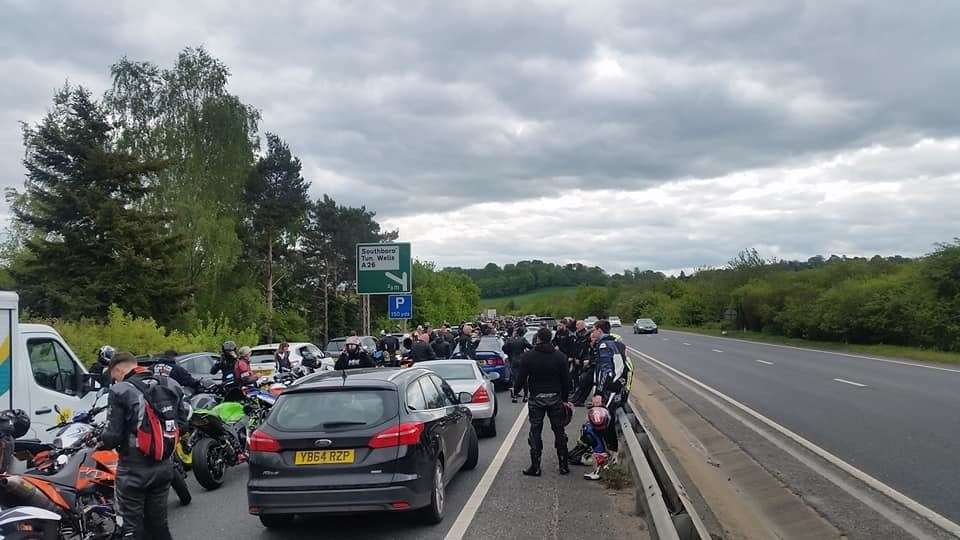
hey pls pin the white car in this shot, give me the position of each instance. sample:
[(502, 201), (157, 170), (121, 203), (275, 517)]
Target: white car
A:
[(590, 321), (263, 364), (615, 322), (466, 376)]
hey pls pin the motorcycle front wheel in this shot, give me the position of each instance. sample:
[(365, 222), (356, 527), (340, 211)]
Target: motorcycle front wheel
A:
[(209, 463)]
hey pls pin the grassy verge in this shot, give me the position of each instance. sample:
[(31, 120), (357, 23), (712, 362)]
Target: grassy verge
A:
[(890, 351)]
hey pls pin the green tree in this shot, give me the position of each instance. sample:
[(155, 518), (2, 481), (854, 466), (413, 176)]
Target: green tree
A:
[(276, 199), (186, 116), (93, 242), (443, 296)]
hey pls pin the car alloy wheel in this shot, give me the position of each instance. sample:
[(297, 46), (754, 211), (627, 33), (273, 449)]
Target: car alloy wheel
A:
[(438, 489)]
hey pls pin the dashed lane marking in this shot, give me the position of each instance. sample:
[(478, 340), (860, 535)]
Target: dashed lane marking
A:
[(844, 381)]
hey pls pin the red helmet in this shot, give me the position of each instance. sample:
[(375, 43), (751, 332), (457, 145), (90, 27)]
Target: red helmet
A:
[(599, 418)]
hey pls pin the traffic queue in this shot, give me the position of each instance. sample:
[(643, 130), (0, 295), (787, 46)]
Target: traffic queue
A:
[(380, 430)]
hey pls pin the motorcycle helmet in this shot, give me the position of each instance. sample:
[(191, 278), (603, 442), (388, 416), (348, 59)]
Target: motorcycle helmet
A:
[(567, 414), (352, 344), (15, 422), (229, 349), (105, 354), (599, 418), (308, 359)]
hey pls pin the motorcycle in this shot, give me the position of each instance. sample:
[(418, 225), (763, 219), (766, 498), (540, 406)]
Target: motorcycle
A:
[(75, 481), (28, 523)]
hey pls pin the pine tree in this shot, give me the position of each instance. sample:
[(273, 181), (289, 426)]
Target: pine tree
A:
[(91, 242), (276, 197)]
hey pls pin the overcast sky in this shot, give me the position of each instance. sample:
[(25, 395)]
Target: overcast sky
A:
[(663, 135)]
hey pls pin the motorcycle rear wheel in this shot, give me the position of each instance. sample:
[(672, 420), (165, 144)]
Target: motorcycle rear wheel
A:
[(209, 463)]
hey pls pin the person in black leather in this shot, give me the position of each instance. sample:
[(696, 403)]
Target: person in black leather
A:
[(514, 348), (544, 371), (142, 483), (421, 350), (168, 367)]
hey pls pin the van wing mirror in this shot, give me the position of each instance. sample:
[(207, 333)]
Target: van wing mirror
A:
[(91, 382)]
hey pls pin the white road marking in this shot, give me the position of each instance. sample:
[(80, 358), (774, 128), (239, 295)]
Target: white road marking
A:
[(717, 350), (890, 492), (469, 510), (844, 381), (849, 355), (687, 344), (765, 362)]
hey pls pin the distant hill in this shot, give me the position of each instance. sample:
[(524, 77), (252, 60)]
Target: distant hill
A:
[(527, 303)]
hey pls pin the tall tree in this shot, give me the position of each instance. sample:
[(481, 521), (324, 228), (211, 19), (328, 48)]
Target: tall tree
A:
[(92, 242), (185, 115), (276, 198)]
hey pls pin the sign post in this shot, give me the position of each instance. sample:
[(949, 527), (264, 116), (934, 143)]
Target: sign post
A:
[(384, 268)]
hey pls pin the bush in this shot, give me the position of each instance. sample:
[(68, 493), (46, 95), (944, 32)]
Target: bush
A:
[(143, 336)]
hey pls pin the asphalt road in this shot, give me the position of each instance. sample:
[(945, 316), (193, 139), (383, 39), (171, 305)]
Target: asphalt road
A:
[(896, 421), (514, 507)]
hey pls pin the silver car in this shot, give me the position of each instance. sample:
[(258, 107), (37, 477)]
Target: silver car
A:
[(466, 376)]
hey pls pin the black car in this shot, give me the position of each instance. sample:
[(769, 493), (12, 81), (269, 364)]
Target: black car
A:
[(645, 326), (365, 440)]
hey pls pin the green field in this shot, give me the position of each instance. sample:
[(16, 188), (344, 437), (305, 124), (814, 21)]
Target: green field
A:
[(528, 303)]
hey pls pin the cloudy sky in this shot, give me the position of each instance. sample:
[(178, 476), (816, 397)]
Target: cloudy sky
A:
[(662, 135)]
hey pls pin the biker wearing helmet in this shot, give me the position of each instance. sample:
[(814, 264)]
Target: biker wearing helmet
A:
[(353, 355), (104, 355), (228, 366)]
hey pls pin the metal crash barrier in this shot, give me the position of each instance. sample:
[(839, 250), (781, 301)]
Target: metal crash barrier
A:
[(661, 498)]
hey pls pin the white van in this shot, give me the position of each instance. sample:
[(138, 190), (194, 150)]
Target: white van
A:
[(39, 372)]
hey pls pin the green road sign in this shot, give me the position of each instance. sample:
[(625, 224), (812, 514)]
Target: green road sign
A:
[(384, 268)]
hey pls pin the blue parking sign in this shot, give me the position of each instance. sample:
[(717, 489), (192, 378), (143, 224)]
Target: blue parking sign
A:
[(400, 306)]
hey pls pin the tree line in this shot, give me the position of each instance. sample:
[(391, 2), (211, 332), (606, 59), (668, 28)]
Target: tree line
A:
[(879, 300), (158, 200), (525, 276)]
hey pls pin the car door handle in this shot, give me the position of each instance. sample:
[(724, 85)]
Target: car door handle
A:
[(45, 410)]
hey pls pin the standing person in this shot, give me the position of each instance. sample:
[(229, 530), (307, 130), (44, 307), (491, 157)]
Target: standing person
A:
[(587, 367), (441, 347), (143, 474), (389, 344), (168, 367), (104, 355), (465, 342), (544, 369), (282, 358), (514, 348), (421, 350), (353, 356)]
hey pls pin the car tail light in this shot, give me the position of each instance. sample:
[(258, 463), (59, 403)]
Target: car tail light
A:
[(481, 395), (495, 361), (400, 505), (405, 434), (261, 442)]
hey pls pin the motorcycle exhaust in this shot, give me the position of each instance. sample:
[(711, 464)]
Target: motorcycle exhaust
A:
[(13, 489)]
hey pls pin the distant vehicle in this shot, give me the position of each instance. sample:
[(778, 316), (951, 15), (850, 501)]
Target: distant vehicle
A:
[(615, 322), (491, 358), (262, 357), (645, 326), (466, 376), (396, 437), (590, 321), (549, 322)]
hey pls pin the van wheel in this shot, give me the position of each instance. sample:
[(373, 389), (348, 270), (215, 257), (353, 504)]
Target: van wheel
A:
[(209, 463), (433, 513), (473, 450), (276, 521)]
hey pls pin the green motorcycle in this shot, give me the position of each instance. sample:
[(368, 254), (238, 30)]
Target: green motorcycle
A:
[(217, 440)]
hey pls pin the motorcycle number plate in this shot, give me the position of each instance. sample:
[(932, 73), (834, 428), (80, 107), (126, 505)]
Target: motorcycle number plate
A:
[(324, 457)]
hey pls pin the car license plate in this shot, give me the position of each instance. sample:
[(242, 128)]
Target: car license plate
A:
[(323, 457), (264, 372)]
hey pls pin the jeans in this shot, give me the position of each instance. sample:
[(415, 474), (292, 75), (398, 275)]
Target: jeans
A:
[(141, 493), (548, 405)]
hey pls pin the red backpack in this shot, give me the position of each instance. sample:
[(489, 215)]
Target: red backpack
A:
[(157, 430)]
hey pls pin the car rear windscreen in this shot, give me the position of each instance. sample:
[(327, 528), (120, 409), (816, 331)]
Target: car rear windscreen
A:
[(262, 355), (335, 346), (334, 410), (454, 372)]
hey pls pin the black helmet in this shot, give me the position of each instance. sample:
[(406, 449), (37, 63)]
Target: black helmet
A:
[(308, 359), (105, 354), (15, 422), (229, 349)]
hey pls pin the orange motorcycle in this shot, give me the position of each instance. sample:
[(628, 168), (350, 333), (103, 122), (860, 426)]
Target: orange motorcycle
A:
[(76, 481)]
